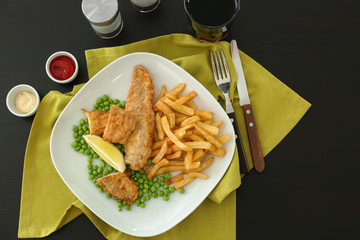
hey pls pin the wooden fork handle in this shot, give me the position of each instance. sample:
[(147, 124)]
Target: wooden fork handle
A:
[(257, 156)]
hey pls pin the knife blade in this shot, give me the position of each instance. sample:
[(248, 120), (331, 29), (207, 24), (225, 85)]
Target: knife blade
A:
[(256, 152)]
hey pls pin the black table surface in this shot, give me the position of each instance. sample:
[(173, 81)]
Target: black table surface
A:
[(310, 188)]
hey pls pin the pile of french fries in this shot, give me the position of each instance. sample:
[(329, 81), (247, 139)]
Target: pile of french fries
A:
[(183, 137)]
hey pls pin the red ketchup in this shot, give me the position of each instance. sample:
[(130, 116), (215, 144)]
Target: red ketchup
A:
[(62, 67)]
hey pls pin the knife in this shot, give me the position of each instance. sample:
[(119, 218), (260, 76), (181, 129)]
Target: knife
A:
[(257, 156)]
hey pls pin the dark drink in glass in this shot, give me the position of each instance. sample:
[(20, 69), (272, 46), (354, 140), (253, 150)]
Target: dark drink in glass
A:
[(145, 6), (210, 20)]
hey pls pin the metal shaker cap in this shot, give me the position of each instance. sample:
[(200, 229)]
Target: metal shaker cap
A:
[(100, 12)]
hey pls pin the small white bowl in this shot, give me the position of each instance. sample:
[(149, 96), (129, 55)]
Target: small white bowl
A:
[(61, 53), (10, 100)]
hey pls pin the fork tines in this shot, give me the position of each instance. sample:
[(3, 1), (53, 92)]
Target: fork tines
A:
[(219, 66)]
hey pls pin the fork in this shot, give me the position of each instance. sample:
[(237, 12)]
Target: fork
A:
[(222, 79)]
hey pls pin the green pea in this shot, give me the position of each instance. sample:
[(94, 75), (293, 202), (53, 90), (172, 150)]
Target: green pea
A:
[(99, 170), (153, 189), (157, 185), (95, 173), (77, 149), (74, 144), (116, 101), (160, 193), (106, 103), (181, 190), (87, 152), (75, 135), (78, 140), (148, 162), (143, 199), (95, 167), (120, 205), (166, 198), (82, 121), (128, 207), (108, 195), (99, 175), (81, 150), (103, 164), (148, 197), (105, 172), (122, 104), (167, 192), (99, 100), (105, 97), (137, 202), (90, 166), (171, 189), (101, 190), (84, 128), (154, 195), (162, 178), (167, 175), (142, 205), (75, 128), (141, 193), (155, 179), (81, 132)]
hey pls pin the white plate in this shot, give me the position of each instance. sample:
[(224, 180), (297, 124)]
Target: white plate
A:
[(114, 80)]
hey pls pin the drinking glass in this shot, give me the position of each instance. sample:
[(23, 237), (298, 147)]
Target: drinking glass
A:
[(210, 20)]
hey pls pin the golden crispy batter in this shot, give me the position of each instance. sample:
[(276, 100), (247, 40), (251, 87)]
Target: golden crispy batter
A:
[(120, 186), (120, 125), (139, 102), (97, 121)]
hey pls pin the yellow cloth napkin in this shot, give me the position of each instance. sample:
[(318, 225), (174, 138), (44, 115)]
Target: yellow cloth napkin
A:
[(43, 212)]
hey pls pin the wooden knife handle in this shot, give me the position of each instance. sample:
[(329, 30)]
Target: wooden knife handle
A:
[(244, 168), (257, 156)]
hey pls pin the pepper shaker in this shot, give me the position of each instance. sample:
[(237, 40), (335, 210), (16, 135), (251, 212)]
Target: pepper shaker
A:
[(104, 17)]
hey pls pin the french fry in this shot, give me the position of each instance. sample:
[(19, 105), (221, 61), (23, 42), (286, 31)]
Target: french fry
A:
[(183, 182), (178, 89), (163, 107), (188, 159), (179, 108), (156, 167), (173, 138), (203, 114), (190, 120), (187, 97), (195, 165), (203, 165), (217, 124), (162, 93), (223, 138), (159, 130), (156, 152), (198, 174), (199, 154), (220, 152), (210, 129), (174, 155), (161, 154), (179, 120), (178, 177), (171, 118), (200, 145), (208, 136), (195, 137), (169, 169), (191, 104), (171, 96), (175, 163)]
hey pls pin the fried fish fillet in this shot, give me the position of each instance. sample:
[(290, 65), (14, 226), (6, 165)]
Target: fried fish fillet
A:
[(139, 102), (97, 121), (120, 186), (120, 125)]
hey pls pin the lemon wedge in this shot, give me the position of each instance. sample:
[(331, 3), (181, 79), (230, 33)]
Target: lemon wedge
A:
[(107, 151)]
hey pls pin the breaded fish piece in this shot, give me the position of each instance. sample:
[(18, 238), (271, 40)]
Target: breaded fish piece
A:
[(97, 121), (139, 102), (120, 186), (120, 125)]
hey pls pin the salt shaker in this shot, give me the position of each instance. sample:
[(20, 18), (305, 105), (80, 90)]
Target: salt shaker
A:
[(104, 17), (145, 6)]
